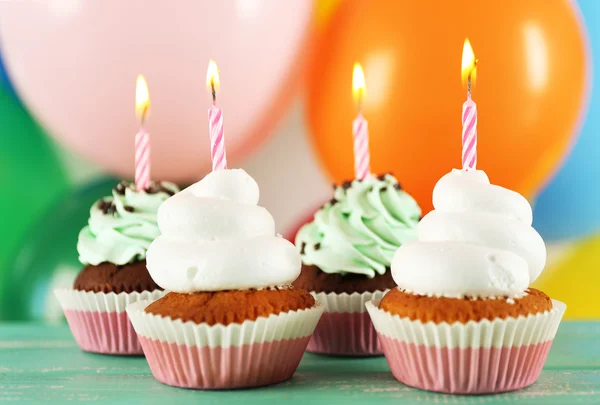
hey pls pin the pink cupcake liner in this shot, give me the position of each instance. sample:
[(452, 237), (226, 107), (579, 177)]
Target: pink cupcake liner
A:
[(473, 358), (346, 329), (104, 332), (98, 321), (345, 334), (255, 353), (465, 371), (252, 365)]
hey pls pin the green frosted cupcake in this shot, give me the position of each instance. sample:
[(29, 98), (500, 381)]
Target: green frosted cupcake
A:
[(346, 254), (112, 247)]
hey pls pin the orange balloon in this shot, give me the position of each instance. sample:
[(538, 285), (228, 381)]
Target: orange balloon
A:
[(530, 89)]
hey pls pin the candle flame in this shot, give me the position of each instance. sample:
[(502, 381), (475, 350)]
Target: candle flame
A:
[(142, 98), (358, 83), (469, 62), (212, 76)]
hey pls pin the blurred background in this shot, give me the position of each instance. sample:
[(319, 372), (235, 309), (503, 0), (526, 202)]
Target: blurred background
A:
[(67, 122)]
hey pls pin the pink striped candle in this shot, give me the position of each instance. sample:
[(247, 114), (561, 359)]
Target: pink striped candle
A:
[(142, 160), (142, 139), (469, 134), (362, 155), (215, 121), (360, 127), (469, 112)]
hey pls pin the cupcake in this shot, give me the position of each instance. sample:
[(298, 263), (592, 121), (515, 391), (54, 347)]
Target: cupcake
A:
[(346, 253), (112, 247), (463, 318), (231, 318)]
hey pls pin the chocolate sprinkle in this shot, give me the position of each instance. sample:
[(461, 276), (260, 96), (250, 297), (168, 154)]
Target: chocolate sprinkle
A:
[(371, 189), (398, 186), (347, 184), (129, 208), (333, 201), (303, 248), (120, 188), (106, 207), (383, 190), (381, 177), (156, 188), (317, 246)]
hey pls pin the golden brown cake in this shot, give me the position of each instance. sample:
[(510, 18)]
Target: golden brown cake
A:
[(450, 310), (225, 307)]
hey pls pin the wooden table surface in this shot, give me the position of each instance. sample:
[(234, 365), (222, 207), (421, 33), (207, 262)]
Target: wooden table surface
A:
[(41, 362)]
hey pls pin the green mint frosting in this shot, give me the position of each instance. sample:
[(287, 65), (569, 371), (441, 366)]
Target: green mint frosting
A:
[(121, 227), (361, 228)]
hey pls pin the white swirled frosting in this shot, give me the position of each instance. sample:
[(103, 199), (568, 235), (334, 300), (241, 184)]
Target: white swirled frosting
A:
[(215, 237), (478, 242)]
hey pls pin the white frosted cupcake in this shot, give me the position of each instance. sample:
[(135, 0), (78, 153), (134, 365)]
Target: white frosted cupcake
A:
[(463, 318), (231, 318)]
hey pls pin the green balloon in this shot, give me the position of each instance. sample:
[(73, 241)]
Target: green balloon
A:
[(30, 174), (47, 258)]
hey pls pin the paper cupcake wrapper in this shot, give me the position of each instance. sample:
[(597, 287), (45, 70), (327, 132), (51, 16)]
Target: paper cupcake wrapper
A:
[(472, 358), (98, 321), (252, 354), (345, 329)]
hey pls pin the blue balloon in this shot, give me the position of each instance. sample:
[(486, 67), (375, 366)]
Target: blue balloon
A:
[(569, 207), (5, 80)]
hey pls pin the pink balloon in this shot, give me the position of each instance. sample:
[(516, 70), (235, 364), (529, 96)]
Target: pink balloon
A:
[(75, 63)]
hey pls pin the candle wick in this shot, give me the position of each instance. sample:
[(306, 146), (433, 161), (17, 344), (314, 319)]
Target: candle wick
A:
[(212, 87), (143, 115), (469, 86), (360, 104)]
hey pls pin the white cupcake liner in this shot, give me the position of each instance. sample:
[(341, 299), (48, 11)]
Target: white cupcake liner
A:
[(255, 353), (76, 300), (287, 325), (524, 330), (470, 358), (98, 321), (349, 303)]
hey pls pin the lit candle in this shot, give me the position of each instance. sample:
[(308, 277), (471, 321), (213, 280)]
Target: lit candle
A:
[(215, 121), (360, 128), (469, 112), (142, 139)]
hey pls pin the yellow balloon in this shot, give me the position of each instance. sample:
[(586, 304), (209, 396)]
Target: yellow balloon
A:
[(575, 279)]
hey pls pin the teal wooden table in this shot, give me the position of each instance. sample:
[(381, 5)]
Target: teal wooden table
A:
[(43, 363)]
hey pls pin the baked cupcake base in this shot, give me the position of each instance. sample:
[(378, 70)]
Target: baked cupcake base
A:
[(227, 307), (450, 310), (476, 357), (109, 277), (345, 329), (254, 353)]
